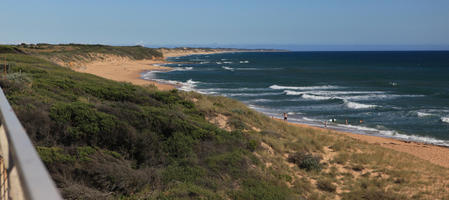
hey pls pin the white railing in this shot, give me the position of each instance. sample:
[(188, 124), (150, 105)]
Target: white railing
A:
[(23, 175)]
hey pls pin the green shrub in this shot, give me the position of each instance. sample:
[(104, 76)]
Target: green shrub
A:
[(261, 190), (305, 161), (237, 124), (252, 145), (84, 152), (50, 155), (229, 162)]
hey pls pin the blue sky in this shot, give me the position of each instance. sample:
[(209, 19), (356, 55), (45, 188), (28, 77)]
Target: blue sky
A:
[(231, 22)]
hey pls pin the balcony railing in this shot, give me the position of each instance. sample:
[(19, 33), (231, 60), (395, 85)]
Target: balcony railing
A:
[(23, 175)]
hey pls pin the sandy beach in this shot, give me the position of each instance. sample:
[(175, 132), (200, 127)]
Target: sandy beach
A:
[(123, 69), (126, 70)]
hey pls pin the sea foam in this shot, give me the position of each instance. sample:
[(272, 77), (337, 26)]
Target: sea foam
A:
[(323, 87), (182, 68), (354, 105), (423, 114), (228, 68), (445, 119)]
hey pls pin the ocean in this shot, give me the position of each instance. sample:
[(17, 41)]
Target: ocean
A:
[(402, 95)]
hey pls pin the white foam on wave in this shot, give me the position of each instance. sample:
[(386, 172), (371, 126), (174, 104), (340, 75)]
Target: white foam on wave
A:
[(244, 61), (445, 119), (291, 92), (228, 68), (252, 94), (323, 87), (393, 84), (314, 97), (423, 114), (333, 92), (354, 105), (249, 69), (182, 68), (219, 63), (227, 62), (237, 89), (189, 85)]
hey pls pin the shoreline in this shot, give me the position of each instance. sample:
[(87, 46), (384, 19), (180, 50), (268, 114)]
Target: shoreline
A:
[(126, 70)]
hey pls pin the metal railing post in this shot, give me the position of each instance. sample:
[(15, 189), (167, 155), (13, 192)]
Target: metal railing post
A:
[(23, 175)]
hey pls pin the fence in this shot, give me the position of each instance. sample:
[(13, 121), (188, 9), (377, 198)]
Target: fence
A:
[(23, 175)]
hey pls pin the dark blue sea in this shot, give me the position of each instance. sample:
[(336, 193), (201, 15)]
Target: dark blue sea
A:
[(403, 95)]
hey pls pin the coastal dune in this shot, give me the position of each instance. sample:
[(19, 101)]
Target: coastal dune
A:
[(435, 154)]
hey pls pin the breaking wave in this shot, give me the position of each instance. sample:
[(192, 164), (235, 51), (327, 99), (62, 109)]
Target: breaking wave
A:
[(182, 68), (445, 119), (228, 68), (354, 105), (323, 87), (423, 114)]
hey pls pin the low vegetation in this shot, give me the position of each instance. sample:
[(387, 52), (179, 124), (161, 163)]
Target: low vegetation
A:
[(102, 139)]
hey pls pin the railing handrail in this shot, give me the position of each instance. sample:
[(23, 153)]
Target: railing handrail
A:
[(35, 180)]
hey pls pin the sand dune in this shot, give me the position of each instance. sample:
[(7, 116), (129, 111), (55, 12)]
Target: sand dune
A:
[(435, 154)]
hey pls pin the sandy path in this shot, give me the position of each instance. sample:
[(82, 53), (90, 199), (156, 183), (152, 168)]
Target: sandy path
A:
[(435, 154)]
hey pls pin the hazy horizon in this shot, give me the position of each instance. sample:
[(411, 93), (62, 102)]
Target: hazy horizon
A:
[(298, 25)]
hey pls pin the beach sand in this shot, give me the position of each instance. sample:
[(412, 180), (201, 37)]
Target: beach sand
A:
[(435, 154), (122, 69), (126, 70)]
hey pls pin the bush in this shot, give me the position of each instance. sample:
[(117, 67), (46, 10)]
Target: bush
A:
[(53, 154), (305, 161), (326, 185), (260, 190), (372, 194), (252, 145)]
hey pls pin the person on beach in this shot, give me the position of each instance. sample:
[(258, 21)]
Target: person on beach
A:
[(285, 116), (325, 124)]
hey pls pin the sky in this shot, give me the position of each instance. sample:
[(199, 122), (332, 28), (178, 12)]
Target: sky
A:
[(243, 23)]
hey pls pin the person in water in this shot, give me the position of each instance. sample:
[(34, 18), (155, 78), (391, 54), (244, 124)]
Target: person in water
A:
[(285, 116)]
